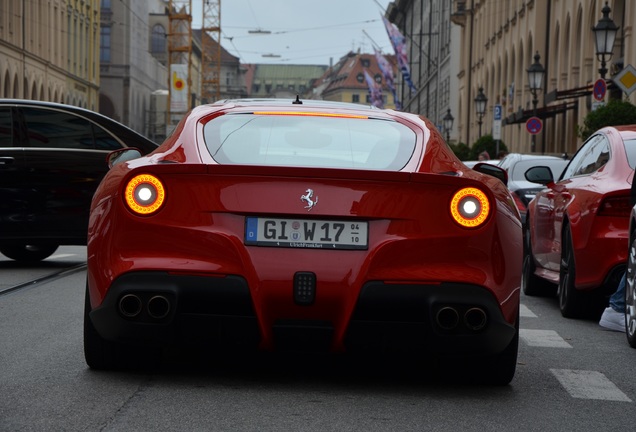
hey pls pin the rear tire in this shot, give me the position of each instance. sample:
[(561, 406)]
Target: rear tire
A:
[(27, 252), (500, 369), (571, 301), (102, 354), (99, 353), (492, 370), (630, 296)]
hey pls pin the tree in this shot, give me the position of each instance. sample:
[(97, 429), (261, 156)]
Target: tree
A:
[(489, 144), (615, 113), (461, 150)]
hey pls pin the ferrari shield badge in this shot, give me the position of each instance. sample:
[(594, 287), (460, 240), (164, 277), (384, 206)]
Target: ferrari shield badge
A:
[(309, 199)]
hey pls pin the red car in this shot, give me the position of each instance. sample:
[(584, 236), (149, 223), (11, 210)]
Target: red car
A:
[(304, 225), (577, 227)]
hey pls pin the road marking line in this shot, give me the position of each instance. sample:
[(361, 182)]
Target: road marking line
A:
[(525, 312), (589, 385), (543, 338)]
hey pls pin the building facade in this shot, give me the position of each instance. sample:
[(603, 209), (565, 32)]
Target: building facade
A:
[(130, 74), (232, 74), (282, 81), (50, 51), (346, 82), (433, 45), (499, 43)]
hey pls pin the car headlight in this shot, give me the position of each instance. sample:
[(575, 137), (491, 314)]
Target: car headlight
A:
[(144, 194), (470, 207)]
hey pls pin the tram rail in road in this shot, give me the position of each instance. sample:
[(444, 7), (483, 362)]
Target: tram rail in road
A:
[(47, 278), (16, 275)]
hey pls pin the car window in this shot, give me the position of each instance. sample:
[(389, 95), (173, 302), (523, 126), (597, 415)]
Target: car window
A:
[(6, 129), (104, 140), (519, 170), (591, 156), (630, 149), (57, 129), (309, 140)]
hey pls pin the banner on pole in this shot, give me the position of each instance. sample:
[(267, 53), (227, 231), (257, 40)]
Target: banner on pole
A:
[(399, 46), (178, 88)]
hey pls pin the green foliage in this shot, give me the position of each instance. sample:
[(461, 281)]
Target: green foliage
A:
[(489, 144), (614, 113), (461, 150)]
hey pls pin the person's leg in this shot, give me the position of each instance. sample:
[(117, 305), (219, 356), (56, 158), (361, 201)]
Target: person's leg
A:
[(617, 300), (613, 317)]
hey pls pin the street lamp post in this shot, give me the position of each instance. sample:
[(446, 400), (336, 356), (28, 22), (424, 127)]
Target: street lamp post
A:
[(535, 82), (448, 124), (480, 106), (604, 36)]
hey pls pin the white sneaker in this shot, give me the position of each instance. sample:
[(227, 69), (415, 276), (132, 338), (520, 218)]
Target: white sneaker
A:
[(612, 320)]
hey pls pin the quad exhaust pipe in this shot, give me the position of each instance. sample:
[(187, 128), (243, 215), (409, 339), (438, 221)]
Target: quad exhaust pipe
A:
[(157, 307), (130, 305), (475, 319), (449, 318)]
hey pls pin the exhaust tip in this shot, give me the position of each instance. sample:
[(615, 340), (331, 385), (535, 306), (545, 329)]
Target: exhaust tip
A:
[(475, 319), (130, 305), (158, 307), (447, 318)]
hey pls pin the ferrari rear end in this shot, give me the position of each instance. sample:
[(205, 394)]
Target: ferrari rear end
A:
[(313, 228)]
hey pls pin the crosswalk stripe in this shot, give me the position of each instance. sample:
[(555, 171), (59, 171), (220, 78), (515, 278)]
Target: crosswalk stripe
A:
[(525, 312), (543, 338), (583, 384)]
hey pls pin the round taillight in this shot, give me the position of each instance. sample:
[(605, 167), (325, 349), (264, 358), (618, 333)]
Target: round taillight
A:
[(470, 207), (144, 194)]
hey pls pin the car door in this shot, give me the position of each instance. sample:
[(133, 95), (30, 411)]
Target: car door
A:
[(12, 202), (553, 203), (64, 168)]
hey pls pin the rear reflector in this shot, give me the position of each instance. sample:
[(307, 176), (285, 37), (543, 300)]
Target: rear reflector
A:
[(519, 202), (615, 206)]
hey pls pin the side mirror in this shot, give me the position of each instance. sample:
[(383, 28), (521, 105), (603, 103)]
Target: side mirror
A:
[(539, 174), (122, 155), (492, 170)]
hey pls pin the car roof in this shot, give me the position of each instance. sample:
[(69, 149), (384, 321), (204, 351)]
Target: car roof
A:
[(72, 108), (123, 132), (526, 156)]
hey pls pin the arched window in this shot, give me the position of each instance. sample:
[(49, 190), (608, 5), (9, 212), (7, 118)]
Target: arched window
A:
[(7, 86), (158, 39)]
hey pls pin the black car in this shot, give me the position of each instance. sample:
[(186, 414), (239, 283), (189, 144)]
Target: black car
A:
[(52, 158)]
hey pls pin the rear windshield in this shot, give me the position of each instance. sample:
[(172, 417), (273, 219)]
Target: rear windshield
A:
[(309, 141)]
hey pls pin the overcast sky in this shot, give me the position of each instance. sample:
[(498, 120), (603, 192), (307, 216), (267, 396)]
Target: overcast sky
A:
[(302, 31)]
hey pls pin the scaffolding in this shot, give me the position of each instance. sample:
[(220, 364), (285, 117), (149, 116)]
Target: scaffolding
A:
[(179, 60), (211, 51)]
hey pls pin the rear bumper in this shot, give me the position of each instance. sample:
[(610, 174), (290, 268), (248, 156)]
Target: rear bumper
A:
[(446, 318), (201, 310), (161, 309)]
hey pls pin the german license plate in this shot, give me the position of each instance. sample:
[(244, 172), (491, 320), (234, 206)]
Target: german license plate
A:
[(306, 233)]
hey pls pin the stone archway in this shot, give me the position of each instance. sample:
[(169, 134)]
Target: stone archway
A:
[(106, 107)]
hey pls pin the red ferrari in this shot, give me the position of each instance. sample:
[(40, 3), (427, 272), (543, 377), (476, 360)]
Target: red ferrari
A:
[(577, 227), (304, 225)]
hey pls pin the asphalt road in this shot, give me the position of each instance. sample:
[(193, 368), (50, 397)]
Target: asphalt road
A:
[(571, 376)]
